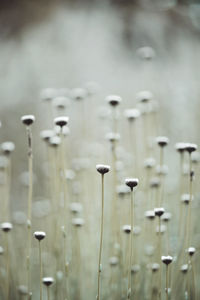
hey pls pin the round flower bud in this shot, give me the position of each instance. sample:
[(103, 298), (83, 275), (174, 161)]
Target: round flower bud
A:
[(180, 147), (112, 137), (113, 100), (78, 94), (78, 222), (166, 217), (61, 121), (191, 251), (54, 141), (155, 182), (46, 135), (6, 226), (184, 268), (75, 207), (39, 235), (167, 259), (122, 190), (144, 96), (149, 163), (60, 102), (48, 281), (150, 214), (28, 119), (159, 211), (127, 228), (23, 290), (131, 182), (190, 147), (146, 53), (132, 114), (162, 141), (113, 261), (48, 94), (185, 198), (155, 267), (135, 269), (102, 169), (7, 147)]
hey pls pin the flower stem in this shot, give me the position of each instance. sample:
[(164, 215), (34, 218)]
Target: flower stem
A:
[(101, 235)]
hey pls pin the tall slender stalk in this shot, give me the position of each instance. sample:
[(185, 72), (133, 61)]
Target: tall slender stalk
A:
[(40, 260), (101, 234), (131, 247)]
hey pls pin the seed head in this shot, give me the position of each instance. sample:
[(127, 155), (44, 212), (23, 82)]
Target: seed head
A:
[(78, 94), (162, 141), (7, 147), (150, 214), (48, 281), (113, 100), (75, 207), (131, 182), (167, 259), (190, 147), (54, 141), (48, 94), (166, 217), (112, 137), (61, 121), (184, 268), (155, 267), (39, 235), (122, 190), (149, 163), (127, 228), (180, 147), (6, 226), (46, 135), (155, 182), (144, 96), (113, 261), (191, 251), (185, 198), (102, 169), (135, 269), (159, 211), (132, 114), (146, 53), (78, 222), (162, 170), (60, 102), (23, 290), (28, 119)]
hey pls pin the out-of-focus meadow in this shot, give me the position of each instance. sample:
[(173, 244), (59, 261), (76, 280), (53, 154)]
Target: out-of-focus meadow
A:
[(83, 51)]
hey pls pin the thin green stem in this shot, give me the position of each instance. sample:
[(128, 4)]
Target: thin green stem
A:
[(101, 235), (29, 213), (40, 261), (7, 266), (167, 283), (48, 293), (131, 247)]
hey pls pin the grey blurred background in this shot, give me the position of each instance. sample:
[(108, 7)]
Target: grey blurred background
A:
[(67, 43)]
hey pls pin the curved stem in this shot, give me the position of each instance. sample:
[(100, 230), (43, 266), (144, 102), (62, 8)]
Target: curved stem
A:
[(101, 235)]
